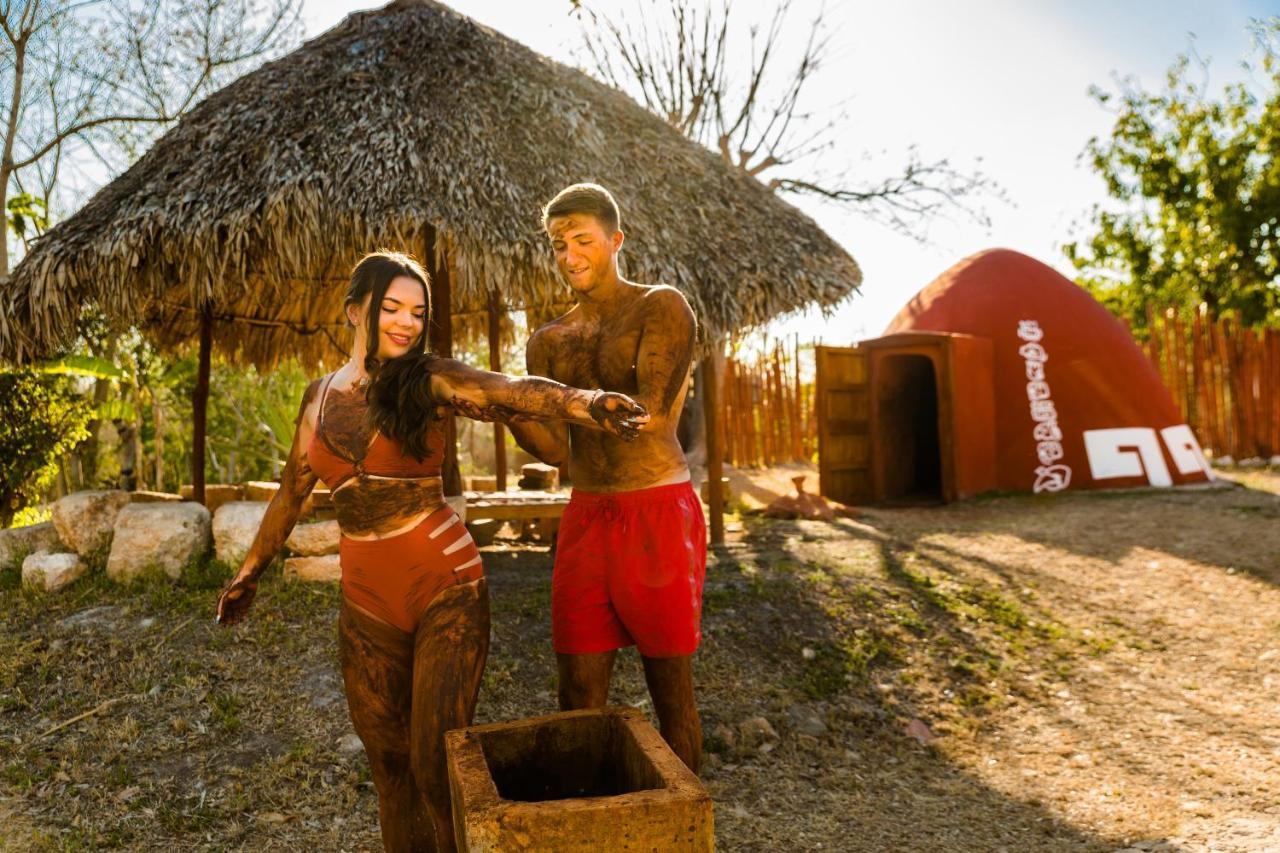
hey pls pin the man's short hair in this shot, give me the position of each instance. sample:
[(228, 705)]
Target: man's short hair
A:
[(591, 199)]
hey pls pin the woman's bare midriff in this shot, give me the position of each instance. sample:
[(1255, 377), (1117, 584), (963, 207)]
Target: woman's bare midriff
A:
[(370, 507)]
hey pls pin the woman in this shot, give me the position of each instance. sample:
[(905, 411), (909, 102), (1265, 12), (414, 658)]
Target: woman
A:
[(413, 631)]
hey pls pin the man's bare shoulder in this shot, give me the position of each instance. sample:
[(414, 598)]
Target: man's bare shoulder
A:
[(666, 300)]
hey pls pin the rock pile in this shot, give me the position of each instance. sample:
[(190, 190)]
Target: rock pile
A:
[(138, 532)]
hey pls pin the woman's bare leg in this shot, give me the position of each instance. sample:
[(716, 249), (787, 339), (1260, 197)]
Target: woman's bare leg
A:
[(377, 670), (450, 650)]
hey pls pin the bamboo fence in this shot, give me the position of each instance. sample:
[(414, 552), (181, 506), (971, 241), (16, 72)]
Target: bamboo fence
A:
[(1225, 379), (769, 407)]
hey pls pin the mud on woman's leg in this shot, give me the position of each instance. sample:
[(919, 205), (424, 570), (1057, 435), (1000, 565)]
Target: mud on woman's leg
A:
[(377, 671), (450, 649)]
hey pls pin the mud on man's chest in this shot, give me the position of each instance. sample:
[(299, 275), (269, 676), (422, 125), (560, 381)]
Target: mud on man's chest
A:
[(603, 358)]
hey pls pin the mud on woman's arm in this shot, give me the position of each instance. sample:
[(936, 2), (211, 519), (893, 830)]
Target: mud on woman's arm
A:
[(296, 482)]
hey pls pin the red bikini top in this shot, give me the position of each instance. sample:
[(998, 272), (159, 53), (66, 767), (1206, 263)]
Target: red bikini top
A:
[(383, 458)]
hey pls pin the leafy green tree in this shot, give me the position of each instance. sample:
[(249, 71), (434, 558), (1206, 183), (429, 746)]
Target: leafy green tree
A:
[(1194, 182), (43, 417)]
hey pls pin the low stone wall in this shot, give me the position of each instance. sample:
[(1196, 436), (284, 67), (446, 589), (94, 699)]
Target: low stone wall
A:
[(136, 532)]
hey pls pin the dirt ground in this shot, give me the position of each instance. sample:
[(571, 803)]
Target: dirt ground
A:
[(1075, 672)]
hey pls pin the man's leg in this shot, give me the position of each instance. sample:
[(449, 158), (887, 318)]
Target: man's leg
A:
[(670, 683), (584, 680)]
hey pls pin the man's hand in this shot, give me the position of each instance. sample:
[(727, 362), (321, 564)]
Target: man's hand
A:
[(236, 598), (618, 414)]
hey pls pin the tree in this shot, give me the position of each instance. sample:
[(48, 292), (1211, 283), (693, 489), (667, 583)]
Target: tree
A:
[(42, 418), (107, 76), (1194, 182), (691, 65)]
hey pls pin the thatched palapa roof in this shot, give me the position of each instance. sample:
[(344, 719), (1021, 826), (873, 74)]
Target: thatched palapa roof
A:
[(398, 123)]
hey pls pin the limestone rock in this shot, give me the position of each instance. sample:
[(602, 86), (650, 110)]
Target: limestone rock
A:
[(215, 494), (260, 490), (84, 520), (539, 476), (319, 569), (166, 535), (756, 732), (808, 720), (19, 542), (51, 571), (350, 745), (314, 540), (234, 526), (145, 497)]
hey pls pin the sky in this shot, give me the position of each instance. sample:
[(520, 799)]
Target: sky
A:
[(997, 85)]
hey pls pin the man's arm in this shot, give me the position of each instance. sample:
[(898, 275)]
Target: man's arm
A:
[(665, 354)]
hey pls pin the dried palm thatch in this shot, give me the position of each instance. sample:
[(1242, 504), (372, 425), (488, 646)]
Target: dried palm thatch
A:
[(397, 124)]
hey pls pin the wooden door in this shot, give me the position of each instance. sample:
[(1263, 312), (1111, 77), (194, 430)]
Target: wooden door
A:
[(844, 424)]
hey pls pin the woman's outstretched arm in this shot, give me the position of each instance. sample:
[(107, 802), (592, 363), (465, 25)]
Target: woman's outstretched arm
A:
[(415, 384), (296, 482)]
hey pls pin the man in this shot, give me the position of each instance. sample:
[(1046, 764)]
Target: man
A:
[(631, 553)]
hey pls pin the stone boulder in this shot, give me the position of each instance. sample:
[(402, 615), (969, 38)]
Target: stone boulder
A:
[(84, 520), (145, 497), (539, 477), (322, 569), (234, 526), (51, 571), (17, 543), (215, 494), (318, 504), (314, 540), (260, 490), (166, 536)]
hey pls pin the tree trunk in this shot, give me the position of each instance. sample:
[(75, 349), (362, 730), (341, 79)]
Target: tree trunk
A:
[(440, 339), (200, 407), (157, 416), (495, 364), (714, 436)]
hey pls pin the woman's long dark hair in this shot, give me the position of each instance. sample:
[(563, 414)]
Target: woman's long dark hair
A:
[(400, 401)]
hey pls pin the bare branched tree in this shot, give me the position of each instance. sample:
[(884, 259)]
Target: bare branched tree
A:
[(751, 101), (106, 76)]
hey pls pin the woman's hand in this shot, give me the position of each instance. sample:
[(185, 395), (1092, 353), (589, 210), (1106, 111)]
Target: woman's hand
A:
[(618, 414), (236, 598)]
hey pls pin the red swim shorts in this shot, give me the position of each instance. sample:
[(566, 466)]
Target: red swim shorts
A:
[(629, 569)]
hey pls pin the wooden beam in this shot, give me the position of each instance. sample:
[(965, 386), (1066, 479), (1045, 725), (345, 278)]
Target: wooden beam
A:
[(200, 406), (715, 445), (495, 364), (440, 340)]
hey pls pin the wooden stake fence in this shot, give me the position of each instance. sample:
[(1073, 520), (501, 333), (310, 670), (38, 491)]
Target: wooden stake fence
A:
[(1224, 378), (769, 408)]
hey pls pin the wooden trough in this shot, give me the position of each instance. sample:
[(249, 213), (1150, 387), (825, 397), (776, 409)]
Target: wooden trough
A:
[(576, 781)]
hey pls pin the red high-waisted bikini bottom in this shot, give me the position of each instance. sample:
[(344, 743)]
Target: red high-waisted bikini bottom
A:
[(396, 579)]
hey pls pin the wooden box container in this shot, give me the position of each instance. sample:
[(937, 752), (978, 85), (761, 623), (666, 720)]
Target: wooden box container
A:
[(576, 781)]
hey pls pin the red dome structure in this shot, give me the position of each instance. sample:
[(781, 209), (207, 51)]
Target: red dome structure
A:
[(1004, 374)]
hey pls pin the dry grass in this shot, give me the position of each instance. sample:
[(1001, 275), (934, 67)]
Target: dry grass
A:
[(1102, 669)]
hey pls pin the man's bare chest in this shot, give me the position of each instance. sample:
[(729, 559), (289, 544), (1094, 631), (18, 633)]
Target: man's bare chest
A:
[(600, 356)]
